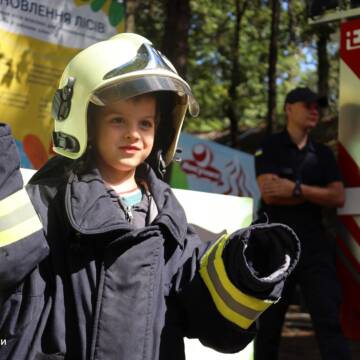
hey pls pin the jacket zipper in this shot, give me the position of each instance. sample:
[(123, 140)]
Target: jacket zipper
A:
[(128, 214)]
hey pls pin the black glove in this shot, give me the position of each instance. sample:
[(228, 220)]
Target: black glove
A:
[(259, 258)]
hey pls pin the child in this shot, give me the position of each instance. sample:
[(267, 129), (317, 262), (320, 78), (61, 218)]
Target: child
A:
[(116, 272)]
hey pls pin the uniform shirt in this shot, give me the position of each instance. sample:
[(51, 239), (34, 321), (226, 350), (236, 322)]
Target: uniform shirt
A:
[(315, 165)]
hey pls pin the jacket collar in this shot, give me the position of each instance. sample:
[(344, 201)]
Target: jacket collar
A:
[(91, 210), (286, 140)]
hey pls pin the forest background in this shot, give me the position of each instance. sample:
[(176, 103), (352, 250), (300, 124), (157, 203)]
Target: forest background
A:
[(241, 57)]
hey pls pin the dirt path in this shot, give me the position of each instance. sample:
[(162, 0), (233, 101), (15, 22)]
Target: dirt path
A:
[(298, 340)]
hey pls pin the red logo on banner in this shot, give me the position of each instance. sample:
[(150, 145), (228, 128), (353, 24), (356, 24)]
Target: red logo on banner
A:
[(201, 165), (350, 45), (231, 179)]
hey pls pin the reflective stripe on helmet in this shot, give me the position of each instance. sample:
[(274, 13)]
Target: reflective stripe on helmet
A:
[(233, 304), (146, 58), (18, 218)]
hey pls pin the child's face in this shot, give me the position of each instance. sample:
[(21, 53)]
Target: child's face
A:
[(124, 133)]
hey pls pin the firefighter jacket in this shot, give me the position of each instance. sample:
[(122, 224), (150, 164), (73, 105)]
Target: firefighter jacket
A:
[(78, 281)]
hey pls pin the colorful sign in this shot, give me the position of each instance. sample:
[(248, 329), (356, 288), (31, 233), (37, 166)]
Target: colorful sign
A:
[(38, 38), (348, 239), (214, 168)]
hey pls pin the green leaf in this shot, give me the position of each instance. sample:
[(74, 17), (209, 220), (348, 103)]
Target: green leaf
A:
[(116, 13), (96, 5)]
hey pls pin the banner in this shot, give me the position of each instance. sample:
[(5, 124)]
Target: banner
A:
[(214, 168), (38, 38), (348, 237)]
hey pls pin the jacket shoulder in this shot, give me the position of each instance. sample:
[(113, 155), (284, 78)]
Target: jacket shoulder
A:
[(54, 172), (47, 182)]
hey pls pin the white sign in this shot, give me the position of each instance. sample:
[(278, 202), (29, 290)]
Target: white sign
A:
[(214, 168)]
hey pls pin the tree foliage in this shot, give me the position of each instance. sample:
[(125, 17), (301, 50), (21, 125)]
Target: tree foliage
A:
[(227, 50)]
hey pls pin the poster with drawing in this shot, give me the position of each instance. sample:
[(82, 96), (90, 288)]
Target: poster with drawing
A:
[(38, 38)]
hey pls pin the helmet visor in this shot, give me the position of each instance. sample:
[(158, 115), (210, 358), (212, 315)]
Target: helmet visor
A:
[(128, 88)]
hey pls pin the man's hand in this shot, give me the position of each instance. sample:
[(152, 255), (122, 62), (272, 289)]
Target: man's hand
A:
[(274, 185), (277, 191)]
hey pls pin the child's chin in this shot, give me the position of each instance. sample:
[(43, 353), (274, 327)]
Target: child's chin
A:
[(127, 165)]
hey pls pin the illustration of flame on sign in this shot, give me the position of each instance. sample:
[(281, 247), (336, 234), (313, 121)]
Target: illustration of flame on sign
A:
[(211, 167)]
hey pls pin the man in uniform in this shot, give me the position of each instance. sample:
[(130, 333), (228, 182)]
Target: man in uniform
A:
[(297, 177)]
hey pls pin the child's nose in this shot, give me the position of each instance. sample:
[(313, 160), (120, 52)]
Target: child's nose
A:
[(132, 132)]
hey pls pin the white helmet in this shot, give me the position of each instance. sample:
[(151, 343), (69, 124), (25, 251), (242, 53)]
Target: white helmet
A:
[(122, 67)]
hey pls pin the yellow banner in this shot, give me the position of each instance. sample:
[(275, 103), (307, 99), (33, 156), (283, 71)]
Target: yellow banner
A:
[(38, 38)]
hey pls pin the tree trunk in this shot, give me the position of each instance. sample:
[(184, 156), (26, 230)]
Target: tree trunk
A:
[(175, 41), (323, 67), (292, 22), (175, 45), (235, 78), (131, 6), (273, 52)]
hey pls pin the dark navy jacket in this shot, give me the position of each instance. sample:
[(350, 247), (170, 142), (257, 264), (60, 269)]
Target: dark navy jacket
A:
[(91, 286)]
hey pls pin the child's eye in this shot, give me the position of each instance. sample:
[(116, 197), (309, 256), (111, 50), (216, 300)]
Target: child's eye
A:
[(116, 120), (146, 124)]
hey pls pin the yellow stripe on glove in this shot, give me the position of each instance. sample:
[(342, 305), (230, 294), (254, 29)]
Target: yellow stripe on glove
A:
[(233, 304)]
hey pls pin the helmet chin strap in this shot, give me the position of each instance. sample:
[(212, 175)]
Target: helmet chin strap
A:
[(160, 164)]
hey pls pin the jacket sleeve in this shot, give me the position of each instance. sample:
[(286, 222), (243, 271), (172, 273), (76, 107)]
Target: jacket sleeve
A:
[(237, 278), (22, 243)]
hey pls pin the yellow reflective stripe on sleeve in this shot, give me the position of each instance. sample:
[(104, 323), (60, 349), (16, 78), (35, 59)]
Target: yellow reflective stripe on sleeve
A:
[(18, 218), (233, 304), (20, 231), (14, 202)]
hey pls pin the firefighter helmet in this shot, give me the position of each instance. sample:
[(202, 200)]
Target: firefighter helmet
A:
[(121, 67)]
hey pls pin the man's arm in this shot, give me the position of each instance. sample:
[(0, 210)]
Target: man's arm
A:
[(279, 191), (332, 195)]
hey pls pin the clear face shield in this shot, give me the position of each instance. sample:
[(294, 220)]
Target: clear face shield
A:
[(159, 76)]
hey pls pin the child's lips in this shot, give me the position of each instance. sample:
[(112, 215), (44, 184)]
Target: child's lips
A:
[(129, 148)]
